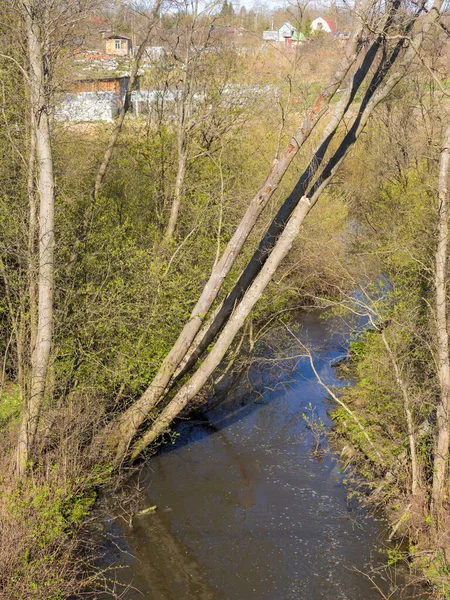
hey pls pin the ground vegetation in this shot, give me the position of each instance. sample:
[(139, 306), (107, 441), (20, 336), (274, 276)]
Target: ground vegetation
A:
[(138, 259)]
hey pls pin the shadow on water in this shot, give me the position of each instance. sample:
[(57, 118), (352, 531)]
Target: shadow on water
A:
[(246, 512)]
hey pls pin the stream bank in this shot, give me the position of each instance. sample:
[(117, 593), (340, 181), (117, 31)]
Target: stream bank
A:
[(247, 511)]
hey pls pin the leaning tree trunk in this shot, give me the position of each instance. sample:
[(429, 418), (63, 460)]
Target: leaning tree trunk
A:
[(46, 188), (234, 324), (179, 181), (443, 408), (130, 422), (378, 89)]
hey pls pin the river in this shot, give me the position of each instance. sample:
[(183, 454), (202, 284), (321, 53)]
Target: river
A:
[(246, 511)]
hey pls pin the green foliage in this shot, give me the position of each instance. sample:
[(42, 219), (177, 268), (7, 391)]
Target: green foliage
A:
[(10, 405), (38, 534), (395, 555), (437, 571), (307, 27)]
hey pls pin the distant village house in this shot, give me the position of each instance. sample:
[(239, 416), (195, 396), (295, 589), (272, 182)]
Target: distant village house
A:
[(321, 24), (119, 45), (93, 99), (279, 35)]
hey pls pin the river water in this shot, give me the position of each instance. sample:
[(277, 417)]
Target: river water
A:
[(247, 512)]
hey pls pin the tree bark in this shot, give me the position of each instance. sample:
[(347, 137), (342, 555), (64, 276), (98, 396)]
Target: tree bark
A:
[(32, 228), (443, 408), (234, 324), (181, 172), (46, 188)]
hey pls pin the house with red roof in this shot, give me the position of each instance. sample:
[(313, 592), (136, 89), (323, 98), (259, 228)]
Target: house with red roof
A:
[(322, 24)]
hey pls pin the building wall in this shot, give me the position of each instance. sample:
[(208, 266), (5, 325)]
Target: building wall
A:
[(320, 24), (124, 50), (115, 85), (284, 31), (86, 107), (96, 85), (270, 35)]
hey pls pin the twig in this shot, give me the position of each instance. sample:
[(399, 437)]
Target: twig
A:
[(334, 396)]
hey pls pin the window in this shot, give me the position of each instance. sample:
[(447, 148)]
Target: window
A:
[(117, 44)]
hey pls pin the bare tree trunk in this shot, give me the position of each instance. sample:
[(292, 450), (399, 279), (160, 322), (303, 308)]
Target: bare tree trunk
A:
[(133, 418), (184, 110), (234, 324), (443, 408), (46, 186), (32, 227), (378, 89), (179, 182)]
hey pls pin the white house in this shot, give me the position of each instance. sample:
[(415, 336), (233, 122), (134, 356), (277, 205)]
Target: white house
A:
[(321, 24), (279, 35)]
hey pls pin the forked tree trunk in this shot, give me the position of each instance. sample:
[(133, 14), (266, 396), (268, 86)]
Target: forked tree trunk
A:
[(46, 187), (443, 408), (234, 324), (130, 422)]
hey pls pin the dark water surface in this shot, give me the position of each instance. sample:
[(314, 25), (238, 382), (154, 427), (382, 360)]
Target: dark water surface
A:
[(246, 512)]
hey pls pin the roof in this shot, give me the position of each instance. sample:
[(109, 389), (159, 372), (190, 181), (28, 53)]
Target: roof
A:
[(103, 79), (291, 27), (298, 37), (331, 24), (118, 37)]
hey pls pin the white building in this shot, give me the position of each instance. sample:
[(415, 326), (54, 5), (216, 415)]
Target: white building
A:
[(279, 35), (321, 24)]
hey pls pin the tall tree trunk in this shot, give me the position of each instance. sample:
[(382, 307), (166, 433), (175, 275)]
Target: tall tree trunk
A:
[(184, 110), (132, 419), (32, 228), (46, 188), (179, 182), (443, 408), (234, 324)]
